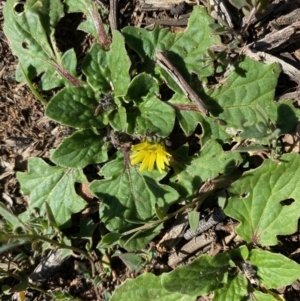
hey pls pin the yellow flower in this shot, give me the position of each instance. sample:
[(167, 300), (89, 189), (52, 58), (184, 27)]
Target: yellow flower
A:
[(149, 153)]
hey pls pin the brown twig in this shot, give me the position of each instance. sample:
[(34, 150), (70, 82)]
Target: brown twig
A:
[(165, 63), (113, 14)]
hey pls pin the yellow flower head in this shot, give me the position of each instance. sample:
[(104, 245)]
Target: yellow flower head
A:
[(149, 153)]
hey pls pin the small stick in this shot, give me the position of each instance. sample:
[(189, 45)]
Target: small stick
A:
[(113, 14), (164, 62)]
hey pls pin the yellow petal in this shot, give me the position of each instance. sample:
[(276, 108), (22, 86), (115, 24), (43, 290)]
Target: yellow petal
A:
[(160, 163), (149, 154), (145, 162), (140, 146), (166, 159), (151, 161), (138, 157)]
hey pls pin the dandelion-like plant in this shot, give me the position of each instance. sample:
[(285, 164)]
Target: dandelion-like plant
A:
[(149, 153)]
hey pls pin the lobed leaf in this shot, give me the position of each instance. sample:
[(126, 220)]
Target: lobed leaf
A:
[(257, 201), (185, 49), (250, 84), (54, 185), (129, 197)]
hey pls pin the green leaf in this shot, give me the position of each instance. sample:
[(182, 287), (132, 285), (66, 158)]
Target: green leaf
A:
[(108, 240), (140, 86), (160, 212), (250, 84), (128, 194), (238, 3), (209, 163), (91, 10), (184, 49), (256, 201), (6, 289), (139, 239), (6, 247), (257, 132), (50, 11), (119, 64), (28, 36), (251, 148), (104, 69), (87, 228), (234, 290), (239, 253), (284, 115), (259, 296), (69, 61), (50, 217), (118, 119), (202, 276), (188, 119), (32, 87), (11, 218), (54, 185), (153, 117), (194, 217), (31, 35), (19, 287), (75, 106), (82, 148), (95, 68), (212, 129), (61, 295), (134, 262), (146, 287), (274, 270)]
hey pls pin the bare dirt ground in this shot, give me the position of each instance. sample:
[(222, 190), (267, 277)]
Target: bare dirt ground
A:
[(25, 132)]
